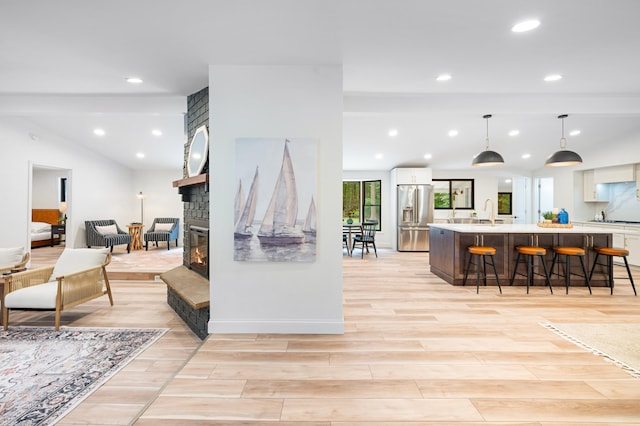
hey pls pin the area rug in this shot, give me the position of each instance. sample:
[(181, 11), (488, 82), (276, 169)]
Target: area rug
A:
[(46, 373), (616, 343)]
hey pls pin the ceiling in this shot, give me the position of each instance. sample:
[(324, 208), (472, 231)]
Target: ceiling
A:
[(63, 66)]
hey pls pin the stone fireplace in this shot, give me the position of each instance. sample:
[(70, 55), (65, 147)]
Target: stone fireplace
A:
[(188, 285)]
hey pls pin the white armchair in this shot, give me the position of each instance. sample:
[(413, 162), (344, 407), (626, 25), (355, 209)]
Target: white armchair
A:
[(78, 276), (13, 258)]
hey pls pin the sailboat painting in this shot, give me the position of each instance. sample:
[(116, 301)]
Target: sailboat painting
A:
[(245, 209), (276, 221)]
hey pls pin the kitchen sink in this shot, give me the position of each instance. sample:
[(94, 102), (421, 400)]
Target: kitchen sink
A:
[(473, 221), (463, 220)]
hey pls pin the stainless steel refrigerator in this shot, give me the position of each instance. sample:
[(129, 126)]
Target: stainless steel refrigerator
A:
[(415, 212)]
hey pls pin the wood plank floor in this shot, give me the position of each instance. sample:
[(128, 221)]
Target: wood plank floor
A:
[(416, 351)]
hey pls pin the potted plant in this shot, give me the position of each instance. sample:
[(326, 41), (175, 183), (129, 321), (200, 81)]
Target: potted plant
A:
[(548, 216)]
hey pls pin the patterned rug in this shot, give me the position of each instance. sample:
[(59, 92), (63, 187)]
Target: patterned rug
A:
[(46, 373), (616, 343)]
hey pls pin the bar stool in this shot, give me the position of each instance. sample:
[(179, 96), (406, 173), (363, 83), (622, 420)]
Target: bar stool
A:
[(481, 252), (610, 252), (569, 252), (530, 252)]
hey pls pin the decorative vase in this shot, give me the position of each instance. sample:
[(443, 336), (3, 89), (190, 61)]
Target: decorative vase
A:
[(349, 221)]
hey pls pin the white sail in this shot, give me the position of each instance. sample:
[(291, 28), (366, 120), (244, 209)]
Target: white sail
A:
[(243, 225), (309, 226), (278, 225), (238, 204)]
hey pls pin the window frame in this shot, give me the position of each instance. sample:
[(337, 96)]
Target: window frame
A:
[(508, 197), (450, 194), (362, 205)]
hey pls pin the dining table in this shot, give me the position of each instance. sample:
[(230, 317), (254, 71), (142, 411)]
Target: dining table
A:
[(352, 229)]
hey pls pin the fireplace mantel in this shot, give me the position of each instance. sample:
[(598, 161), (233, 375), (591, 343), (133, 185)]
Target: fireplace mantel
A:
[(183, 185), (193, 180)]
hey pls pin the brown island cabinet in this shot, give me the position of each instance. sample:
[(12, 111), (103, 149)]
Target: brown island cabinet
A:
[(449, 242)]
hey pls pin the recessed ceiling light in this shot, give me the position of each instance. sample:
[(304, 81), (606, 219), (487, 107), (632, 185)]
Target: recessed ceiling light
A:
[(574, 133), (99, 132), (134, 80), (453, 133), (443, 77), (525, 156), (514, 133), (379, 156), (393, 133), (553, 77), (507, 181), (140, 155), (156, 132), (524, 26), (428, 156)]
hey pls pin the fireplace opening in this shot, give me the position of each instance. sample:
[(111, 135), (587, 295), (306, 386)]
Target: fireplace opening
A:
[(199, 250)]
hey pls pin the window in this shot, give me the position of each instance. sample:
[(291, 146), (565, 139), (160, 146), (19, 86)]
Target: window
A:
[(504, 202), (453, 193), (362, 201)]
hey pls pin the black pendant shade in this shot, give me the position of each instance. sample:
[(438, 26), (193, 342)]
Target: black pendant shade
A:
[(564, 157), (487, 157)]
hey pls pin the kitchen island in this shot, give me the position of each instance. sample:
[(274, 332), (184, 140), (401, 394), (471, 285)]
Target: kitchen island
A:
[(449, 244)]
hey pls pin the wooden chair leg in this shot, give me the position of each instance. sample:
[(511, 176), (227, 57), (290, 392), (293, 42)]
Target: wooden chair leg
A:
[(5, 318)]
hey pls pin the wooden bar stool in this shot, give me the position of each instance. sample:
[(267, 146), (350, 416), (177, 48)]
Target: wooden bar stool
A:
[(481, 252), (569, 252), (610, 253), (530, 252)]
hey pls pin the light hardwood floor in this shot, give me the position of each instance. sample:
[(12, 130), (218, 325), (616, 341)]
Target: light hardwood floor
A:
[(416, 351)]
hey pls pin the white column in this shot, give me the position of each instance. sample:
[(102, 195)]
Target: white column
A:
[(276, 102)]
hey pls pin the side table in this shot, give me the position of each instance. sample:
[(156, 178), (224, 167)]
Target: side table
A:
[(58, 230), (135, 230)]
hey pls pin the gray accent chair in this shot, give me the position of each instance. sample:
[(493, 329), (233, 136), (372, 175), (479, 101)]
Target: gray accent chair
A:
[(95, 238), (154, 234)]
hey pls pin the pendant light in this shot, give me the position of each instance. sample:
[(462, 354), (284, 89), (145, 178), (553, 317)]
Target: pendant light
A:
[(564, 157), (487, 157)]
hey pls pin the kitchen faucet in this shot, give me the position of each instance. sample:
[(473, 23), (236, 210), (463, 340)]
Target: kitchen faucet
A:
[(493, 212)]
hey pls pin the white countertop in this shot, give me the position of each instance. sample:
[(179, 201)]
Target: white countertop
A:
[(611, 224), (518, 229)]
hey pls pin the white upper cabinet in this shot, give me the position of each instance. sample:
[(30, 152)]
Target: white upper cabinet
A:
[(408, 176), (624, 173), (590, 189)]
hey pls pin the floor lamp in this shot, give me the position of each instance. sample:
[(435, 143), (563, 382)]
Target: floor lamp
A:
[(141, 196)]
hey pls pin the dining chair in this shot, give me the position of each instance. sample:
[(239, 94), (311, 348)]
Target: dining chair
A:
[(345, 240), (366, 237)]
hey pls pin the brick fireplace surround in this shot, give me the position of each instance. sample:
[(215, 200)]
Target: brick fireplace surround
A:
[(188, 291)]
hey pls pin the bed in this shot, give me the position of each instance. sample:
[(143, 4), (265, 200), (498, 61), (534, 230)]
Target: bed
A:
[(41, 221)]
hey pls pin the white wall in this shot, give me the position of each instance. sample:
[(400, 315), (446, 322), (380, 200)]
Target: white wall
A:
[(97, 187), (384, 236), (161, 199), (276, 102), (46, 188)]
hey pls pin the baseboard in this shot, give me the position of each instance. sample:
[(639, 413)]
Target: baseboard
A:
[(275, 327)]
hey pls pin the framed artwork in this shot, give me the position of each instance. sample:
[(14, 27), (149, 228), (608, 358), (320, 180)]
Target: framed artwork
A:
[(274, 207), (504, 203)]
